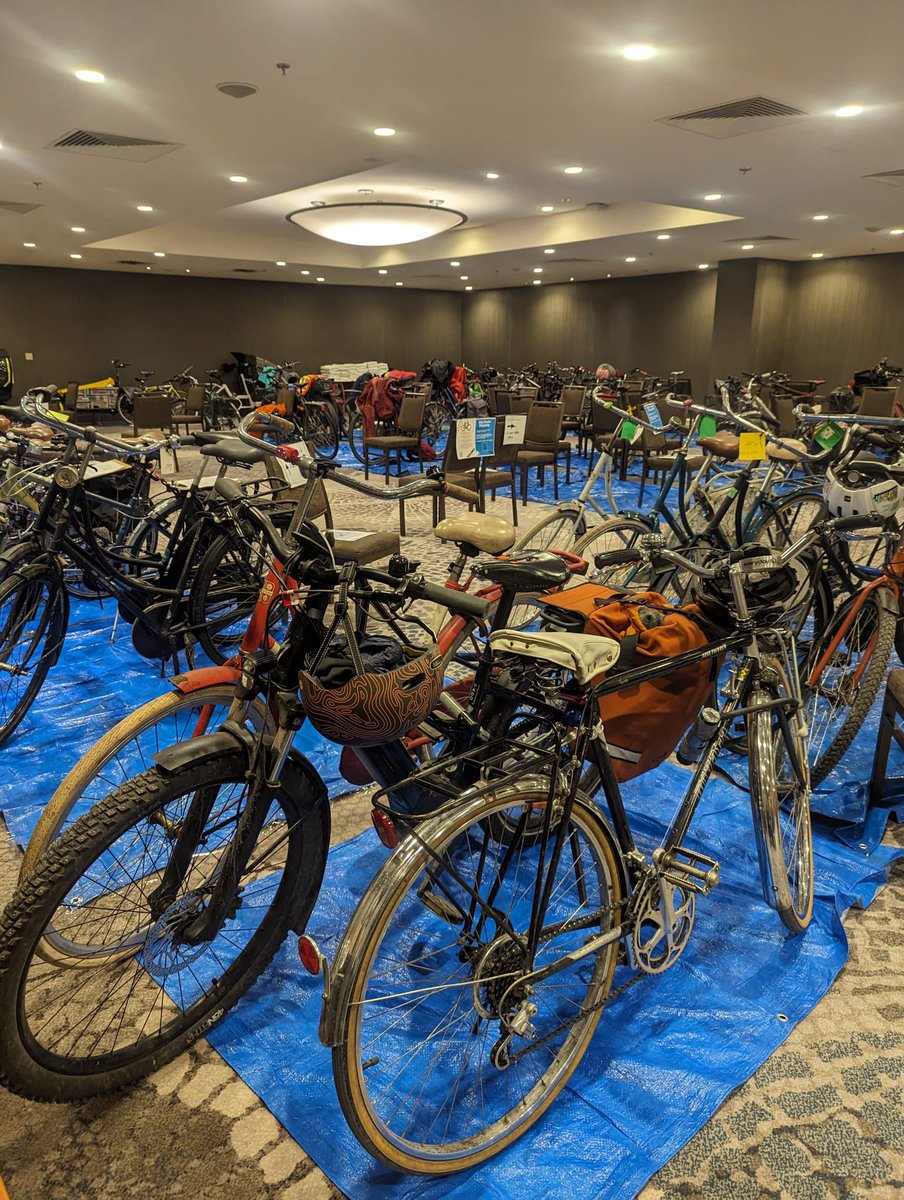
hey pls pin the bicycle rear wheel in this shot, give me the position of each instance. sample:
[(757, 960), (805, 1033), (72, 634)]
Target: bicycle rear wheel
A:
[(843, 673), (430, 1074), (780, 802), (321, 426), (123, 992), (34, 613)]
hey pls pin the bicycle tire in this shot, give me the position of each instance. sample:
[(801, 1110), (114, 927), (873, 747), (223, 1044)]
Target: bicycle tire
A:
[(786, 519), (786, 863), (224, 592), (42, 1073), (372, 925), (867, 634), (119, 755), (35, 597), (321, 426), (559, 530), (355, 434)]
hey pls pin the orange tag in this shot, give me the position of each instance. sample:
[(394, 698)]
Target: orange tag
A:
[(752, 446)]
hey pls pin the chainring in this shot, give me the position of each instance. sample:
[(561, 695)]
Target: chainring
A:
[(658, 942)]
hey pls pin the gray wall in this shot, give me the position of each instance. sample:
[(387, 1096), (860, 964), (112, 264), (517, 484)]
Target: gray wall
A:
[(814, 319), (661, 323), (75, 322)]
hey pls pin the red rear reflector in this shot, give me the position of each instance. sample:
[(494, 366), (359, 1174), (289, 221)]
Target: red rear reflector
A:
[(309, 954), (385, 829)]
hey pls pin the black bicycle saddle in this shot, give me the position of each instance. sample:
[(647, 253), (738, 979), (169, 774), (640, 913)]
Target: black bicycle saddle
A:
[(523, 570)]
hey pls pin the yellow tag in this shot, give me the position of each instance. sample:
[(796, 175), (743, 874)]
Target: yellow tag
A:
[(752, 446), (60, 416)]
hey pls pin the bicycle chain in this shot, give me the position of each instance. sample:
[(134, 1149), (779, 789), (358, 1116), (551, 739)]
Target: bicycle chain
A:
[(535, 1045)]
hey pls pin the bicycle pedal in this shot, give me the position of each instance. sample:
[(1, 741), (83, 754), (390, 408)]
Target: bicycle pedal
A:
[(688, 869), (439, 906)]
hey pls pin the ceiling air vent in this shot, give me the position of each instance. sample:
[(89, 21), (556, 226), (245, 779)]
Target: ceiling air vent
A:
[(129, 262), (247, 270), (112, 145), (889, 178), (737, 117), (15, 206), (759, 241)]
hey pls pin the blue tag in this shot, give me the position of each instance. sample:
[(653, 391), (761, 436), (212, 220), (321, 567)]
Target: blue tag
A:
[(485, 436), (653, 415)]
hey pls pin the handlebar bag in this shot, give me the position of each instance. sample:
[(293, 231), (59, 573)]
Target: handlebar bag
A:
[(645, 722)]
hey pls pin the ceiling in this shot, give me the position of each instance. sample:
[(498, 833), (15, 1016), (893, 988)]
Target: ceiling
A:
[(522, 88)]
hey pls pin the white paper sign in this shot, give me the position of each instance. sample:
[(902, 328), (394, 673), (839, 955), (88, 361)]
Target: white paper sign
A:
[(290, 471), (167, 460), (466, 437), (515, 424)]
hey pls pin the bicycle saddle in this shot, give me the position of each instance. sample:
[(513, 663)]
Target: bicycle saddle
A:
[(792, 450), (477, 531), (524, 571), (207, 439), (237, 453), (586, 655), (721, 445)]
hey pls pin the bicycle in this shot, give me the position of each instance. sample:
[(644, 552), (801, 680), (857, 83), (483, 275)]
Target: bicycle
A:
[(478, 963)]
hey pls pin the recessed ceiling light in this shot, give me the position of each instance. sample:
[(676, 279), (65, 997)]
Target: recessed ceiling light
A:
[(821, 217), (75, 256), (305, 272), (399, 283), (280, 263), (462, 277), (238, 178), (30, 245), (159, 254), (384, 131), (547, 208), (144, 208), (663, 237), (896, 232), (492, 175), (631, 258), (638, 52), (89, 76), (536, 282), (538, 270), (713, 196), (702, 266), (849, 110), (573, 170), (188, 270), (147, 268), (816, 254), (549, 250), (382, 271), (469, 288), (77, 228), (320, 279), (747, 246), (571, 279), (608, 276)]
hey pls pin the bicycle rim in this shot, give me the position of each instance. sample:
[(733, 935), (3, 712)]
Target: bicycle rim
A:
[(434, 990), (33, 613)]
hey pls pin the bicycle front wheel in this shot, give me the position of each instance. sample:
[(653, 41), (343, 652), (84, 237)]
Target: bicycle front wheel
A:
[(128, 749), (557, 531), (843, 673), (321, 426), (442, 1057), (34, 612), (124, 990), (780, 800)]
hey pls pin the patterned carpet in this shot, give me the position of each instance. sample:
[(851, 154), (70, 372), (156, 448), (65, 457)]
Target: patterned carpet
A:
[(823, 1119)]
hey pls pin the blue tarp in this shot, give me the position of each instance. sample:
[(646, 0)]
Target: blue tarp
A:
[(667, 1052)]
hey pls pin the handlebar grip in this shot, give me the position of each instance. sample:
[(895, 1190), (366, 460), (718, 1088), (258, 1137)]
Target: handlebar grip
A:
[(847, 524), (613, 558), (459, 493), (451, 598), (279, 423)]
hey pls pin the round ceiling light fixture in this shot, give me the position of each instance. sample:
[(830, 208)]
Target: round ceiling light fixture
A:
[(238, 91), (377, 222)]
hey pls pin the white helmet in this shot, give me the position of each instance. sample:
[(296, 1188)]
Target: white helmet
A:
[(862, 487)]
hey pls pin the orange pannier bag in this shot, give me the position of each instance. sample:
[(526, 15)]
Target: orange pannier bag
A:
[(644, 723)]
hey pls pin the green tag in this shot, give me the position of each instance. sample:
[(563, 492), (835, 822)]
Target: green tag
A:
[(628, 431), (707, 427), (828, 435)]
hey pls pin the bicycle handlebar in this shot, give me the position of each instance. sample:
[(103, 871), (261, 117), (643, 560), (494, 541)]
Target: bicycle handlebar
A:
[(298, 454), (34, 406)]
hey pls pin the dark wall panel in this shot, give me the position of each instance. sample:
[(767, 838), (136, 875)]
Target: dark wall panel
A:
[(661, 323), (75, 322), (844, 314)]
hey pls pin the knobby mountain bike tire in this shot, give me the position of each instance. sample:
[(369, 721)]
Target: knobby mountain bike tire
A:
[(780, 804), (427, 976), (840, 687), (133, 995), (34, 614), (127, 749)]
